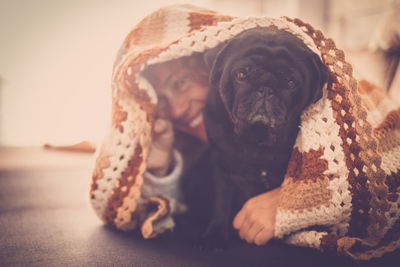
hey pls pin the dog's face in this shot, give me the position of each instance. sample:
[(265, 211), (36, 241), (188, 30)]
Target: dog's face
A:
[(265, 78)]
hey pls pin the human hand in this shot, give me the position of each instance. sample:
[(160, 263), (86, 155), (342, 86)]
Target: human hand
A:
[(160, 156), (256, 220)]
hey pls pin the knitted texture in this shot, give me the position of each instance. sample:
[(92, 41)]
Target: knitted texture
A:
[(341, 190)]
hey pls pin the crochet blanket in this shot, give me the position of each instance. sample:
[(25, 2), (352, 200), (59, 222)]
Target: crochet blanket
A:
[(341, 190)]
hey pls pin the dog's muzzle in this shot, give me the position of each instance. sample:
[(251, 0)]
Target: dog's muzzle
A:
[(268, 109)]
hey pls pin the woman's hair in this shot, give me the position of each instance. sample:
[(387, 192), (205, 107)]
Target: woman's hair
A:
[(194, 63)]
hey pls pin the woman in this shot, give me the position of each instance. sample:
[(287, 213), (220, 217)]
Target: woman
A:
[(182, 87)]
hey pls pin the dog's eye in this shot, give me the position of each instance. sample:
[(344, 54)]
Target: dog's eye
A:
[(241, 76), (291, 85)]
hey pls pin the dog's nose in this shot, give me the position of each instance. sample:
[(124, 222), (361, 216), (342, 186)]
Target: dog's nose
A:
[(265, 90)]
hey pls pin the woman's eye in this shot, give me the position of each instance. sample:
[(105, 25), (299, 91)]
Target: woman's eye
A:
[(182, 84), (291, 85)]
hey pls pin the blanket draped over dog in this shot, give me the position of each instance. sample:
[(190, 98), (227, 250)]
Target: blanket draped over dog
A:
[(341, 191)]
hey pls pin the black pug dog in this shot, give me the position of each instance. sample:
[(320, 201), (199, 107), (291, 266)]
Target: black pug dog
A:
[(261, 81)]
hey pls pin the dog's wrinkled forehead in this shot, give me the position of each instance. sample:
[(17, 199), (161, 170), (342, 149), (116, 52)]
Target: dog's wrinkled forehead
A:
[(272, 41)]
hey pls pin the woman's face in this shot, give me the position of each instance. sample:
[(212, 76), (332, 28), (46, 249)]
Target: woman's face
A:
[(181, 96)]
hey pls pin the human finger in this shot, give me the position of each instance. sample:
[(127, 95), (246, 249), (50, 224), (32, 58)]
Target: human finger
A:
[(252, 232), (161, 126), (239, 218), (163, 134), (263, 236), (244, 228)]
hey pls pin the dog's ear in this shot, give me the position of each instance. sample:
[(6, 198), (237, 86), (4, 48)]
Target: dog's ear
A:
[(213, 61), (322, 75), (211, 54)]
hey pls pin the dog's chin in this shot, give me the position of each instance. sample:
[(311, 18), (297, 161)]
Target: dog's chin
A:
[(259, 134)]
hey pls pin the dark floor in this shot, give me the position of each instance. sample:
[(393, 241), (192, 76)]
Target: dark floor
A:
[(46, 220)]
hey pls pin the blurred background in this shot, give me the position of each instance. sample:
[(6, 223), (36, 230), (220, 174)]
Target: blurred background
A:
[(56, 56)]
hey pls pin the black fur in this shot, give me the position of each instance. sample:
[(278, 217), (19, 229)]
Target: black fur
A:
[(261, 81)]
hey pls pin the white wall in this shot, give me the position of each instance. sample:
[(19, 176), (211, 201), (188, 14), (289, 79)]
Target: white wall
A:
[(56, 59), (55, 66)]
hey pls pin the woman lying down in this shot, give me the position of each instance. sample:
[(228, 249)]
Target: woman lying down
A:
[(338, 190)]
